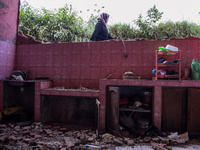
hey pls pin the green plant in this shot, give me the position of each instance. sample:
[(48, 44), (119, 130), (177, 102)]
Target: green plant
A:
[(64, 25), (146, 25), (122, 31)]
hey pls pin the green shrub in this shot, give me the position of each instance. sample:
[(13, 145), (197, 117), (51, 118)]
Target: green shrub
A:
[(64, 25)]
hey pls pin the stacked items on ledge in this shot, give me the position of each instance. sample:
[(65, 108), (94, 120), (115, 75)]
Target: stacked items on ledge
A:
[(130, 75), (168, 63)]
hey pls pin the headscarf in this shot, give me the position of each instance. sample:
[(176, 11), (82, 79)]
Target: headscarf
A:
[(104, 17)]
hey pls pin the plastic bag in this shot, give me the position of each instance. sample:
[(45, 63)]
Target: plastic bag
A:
[(181, 138)]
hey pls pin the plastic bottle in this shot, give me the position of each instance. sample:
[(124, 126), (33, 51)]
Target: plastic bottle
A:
[(195, 69)]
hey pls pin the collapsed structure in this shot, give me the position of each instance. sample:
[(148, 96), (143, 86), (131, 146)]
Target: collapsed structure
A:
[(82, 83)]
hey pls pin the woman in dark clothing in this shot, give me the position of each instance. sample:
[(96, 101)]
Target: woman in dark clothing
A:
[(101, 32)]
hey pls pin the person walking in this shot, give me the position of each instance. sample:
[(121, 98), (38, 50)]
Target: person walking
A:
[(101, 32)]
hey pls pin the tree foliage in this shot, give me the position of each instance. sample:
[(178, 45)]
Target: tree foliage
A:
[(64, 25), (147, 25)]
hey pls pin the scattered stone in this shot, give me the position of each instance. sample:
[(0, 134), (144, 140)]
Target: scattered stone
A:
[(69, 141), (35, 147), (33, 134), (90, 133), (129, 142), (141, 141), (83, 138), (40, 131), (48, 131), (26, 132), (11, 125), (63, 129), (59, 132), (94, 136), (13, 138), (19, 138), (108, 139), (164, 140), (26, 128), (139, 137), (38, 136), (107, 135), (90, 139), (147, 139), (17, 128), (54, 144), (118, 141), (40, 143), (41, 147), (158, 146), (27, 140), (155, 139), (3, 138), (78, 134), (37, 123)]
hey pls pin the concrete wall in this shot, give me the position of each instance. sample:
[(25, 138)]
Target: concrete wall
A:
[(9, 10), (75, 65)]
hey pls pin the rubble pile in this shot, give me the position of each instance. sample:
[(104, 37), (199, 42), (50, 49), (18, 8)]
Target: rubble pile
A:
[(39, 136)]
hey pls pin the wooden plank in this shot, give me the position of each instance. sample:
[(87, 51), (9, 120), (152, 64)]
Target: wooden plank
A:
[(112, 109), (194, 111), (174, 110)]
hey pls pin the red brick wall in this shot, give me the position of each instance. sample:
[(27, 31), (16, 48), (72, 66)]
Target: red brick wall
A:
[(9, 10), (73, 65)]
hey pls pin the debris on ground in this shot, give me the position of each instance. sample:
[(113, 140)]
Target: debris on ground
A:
[(56, 136), (181, 138)]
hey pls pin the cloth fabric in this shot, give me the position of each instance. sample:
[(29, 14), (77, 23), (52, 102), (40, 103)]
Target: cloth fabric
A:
[(104, 17)]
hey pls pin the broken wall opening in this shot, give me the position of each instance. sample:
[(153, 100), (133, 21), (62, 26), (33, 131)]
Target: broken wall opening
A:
[(74, 112), (18, 101), (129, 110)]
